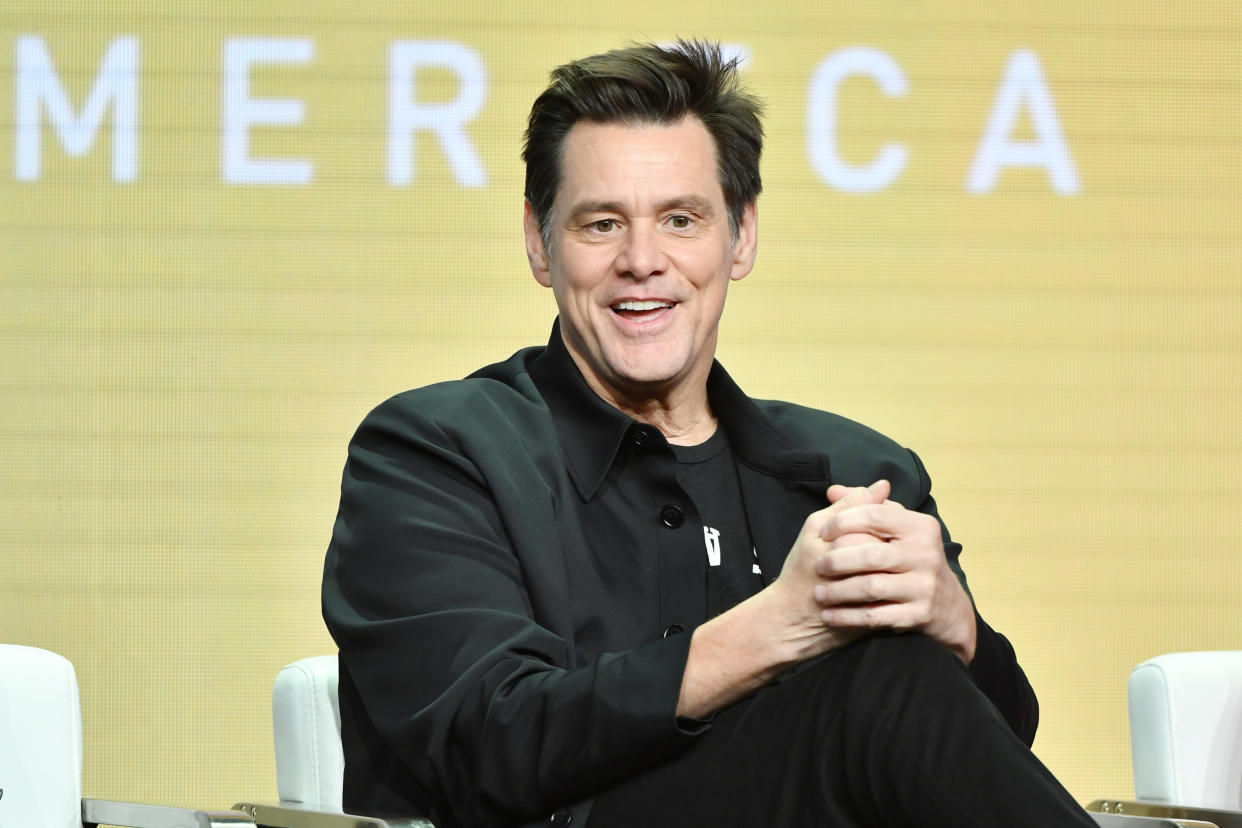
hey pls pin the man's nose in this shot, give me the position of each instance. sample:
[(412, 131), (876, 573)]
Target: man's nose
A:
[(642, 254)]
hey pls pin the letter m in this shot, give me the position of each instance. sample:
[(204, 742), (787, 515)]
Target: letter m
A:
[(39, 88)]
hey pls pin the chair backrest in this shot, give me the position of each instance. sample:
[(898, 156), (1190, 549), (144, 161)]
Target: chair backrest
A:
[(40, 740), (306, 719), (1186, 729)]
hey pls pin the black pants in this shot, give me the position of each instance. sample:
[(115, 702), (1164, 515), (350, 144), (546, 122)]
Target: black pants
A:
[(888, 732)]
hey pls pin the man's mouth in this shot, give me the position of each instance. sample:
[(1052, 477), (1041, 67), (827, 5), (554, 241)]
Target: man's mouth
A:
[(640, 309)]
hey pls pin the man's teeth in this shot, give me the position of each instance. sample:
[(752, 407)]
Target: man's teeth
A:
[(642, 306)]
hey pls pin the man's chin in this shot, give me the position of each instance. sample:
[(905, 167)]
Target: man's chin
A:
[(646, 372), (649, 381)]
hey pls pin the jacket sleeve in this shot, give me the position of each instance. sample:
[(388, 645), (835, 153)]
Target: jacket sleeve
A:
[(440, 623), (995, 667), (997, 674)]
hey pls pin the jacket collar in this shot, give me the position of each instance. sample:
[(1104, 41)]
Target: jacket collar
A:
[(754, 438), (592, 432)]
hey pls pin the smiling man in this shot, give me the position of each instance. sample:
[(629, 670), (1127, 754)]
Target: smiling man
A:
[(596, 584), (640, 255)]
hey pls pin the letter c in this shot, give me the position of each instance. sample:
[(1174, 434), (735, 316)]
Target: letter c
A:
[(821, 123)]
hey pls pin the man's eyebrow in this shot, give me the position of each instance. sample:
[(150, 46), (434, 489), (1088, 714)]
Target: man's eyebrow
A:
[(693, 203), (586, 208)]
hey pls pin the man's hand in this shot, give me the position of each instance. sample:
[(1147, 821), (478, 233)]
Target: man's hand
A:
[(794, 591), (861, 565), (884, 569), (745, 647)]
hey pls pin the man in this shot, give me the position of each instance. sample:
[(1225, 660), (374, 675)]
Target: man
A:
[(529, 627)]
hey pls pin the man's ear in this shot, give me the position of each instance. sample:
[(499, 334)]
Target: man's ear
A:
[(747, 244), (536, 253)]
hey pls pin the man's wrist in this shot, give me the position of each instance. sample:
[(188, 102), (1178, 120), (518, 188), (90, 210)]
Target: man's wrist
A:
[(736, 653), (967, 642)]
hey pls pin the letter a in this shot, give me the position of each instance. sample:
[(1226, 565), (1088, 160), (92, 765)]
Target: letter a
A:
[(1023, 84)]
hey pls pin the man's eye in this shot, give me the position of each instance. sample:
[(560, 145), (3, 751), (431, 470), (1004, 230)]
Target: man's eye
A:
[(679, 222), (604, 225)]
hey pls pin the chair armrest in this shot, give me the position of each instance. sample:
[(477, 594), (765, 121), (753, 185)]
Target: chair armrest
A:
[(1218, 817), (134, 815), (1127, 821), (283, 816)]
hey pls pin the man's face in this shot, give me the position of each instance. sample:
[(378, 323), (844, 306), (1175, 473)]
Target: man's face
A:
[(640, 256)]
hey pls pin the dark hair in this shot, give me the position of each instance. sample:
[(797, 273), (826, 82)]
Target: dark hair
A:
[(647, 84)]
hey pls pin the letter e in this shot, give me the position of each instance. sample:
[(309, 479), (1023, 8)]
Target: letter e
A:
[(241, 111)]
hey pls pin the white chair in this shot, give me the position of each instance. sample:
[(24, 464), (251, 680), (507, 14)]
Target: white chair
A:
[(306, 720), (41, 755), (1186, 737), (310, 764), (1186, 729)]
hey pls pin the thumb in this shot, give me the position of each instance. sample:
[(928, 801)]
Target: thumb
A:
[(847, 496)]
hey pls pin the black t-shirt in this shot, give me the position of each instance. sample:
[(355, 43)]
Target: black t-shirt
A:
[(708, 475)]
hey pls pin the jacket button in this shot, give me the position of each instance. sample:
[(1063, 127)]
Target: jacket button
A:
[(638, 437), (672, 516), (561, 818), (673, 629)]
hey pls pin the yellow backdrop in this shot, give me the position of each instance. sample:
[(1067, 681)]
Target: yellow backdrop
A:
[(1006, 235)]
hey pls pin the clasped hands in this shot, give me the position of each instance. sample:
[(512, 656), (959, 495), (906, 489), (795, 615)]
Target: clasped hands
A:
[(869, 564)]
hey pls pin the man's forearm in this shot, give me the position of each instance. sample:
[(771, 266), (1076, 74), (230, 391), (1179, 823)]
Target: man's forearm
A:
[(745, 648)]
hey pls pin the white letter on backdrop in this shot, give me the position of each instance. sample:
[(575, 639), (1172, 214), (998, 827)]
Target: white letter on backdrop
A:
[(241, 112), (1024, 83), (116, 83), (821, 121), (447, 120)]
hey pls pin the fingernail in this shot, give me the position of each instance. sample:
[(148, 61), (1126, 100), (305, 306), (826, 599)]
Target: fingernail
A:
[(875, 487)]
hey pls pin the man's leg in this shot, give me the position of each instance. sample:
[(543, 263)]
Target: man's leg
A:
[(887, 732)]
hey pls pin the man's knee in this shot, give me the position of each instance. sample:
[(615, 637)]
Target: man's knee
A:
[(912, 653), (892, 654), (865, 684), (883, 672)]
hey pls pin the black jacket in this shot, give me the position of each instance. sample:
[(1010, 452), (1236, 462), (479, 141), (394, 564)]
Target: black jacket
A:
[(464, 696)]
